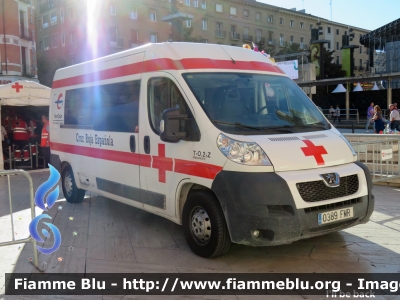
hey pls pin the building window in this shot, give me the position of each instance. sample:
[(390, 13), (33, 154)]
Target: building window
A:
[(258, 35), (188, 23), (329, 30), (246, 13), (54, 41), (187, 2), (311, 26), (46, 43), (45, 21), (219, 27), (337, 60), (281, 21), (291, 40), (360, 49), (291, 23), (329, 45), (195, 3), (71, 13), (233, 11), (62, 15), (203, 4), (204, 24), (153, 38), (113, 34), (302, 25), (113, 9), (337, 46), (258, 16), (133, 13), (281, 40), (270, 19), (72, 37), (218, 8), (337, 31), (53, 18), (153, 15), (360, 62), (63, 39), (301, 42), (345, 33)]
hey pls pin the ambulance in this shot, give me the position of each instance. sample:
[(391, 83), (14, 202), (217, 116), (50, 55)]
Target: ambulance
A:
[(214, 138)]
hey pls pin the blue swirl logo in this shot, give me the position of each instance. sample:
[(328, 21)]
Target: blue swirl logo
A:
[(51, 198)]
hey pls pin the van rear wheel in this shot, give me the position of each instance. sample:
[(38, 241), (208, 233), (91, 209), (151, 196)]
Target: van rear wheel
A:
[(204, 225), (71, 193)]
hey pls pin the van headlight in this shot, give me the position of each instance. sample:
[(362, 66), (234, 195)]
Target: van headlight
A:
[(242, 152)]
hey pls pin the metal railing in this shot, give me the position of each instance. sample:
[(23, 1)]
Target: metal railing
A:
[(29, 239), (26, 33), (235, 36), (33, 154), (353, 115), (380, 153)]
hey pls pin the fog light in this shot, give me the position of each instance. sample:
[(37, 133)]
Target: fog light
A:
[(255, 233)]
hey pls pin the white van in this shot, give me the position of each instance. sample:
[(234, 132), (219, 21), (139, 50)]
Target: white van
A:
[(215, 138)]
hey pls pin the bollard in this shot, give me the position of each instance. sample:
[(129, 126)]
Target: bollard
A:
[(352, 127)]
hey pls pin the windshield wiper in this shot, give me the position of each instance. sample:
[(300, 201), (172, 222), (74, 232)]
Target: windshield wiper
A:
[(237, 124)]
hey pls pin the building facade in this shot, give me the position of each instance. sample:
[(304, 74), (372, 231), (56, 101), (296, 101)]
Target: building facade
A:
[(17, 41), (65, 27)]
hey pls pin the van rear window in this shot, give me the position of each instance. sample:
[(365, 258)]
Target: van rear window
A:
[(110, 107)]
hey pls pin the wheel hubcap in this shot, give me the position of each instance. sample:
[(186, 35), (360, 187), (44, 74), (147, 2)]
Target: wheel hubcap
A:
[(201, 225), (68, 184)]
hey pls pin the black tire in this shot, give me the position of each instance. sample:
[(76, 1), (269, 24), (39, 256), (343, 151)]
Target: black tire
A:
[(202, 208), (71, 193)]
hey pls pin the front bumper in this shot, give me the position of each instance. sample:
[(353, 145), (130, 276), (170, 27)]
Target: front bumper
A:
[(265, 202)]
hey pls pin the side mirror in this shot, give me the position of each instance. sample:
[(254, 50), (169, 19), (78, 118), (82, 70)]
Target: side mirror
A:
[(172, 125)]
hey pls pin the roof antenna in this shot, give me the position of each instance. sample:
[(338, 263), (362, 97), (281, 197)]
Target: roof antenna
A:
[(331, 9)]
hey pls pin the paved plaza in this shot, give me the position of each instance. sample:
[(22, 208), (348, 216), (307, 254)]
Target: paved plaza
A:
[(105, 236)]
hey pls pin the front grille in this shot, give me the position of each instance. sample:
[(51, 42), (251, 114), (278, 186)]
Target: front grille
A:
[(313, 191), (332, 206), (332, 226)]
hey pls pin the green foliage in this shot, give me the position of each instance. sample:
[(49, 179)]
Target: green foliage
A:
[(293, 48), (47, 67), (187, 32), (331, 69)]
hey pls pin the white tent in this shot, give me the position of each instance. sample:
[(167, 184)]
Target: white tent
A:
[(23, 93)]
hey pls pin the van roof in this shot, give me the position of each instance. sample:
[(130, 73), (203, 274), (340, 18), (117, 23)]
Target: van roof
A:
[(162, 57)]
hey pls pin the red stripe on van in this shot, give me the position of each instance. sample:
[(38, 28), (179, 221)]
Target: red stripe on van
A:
[(112, 155), (187, 167), (196, 168), (165, 64)]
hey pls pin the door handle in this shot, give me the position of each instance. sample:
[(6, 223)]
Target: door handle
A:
[(132, 143), (146, 144)]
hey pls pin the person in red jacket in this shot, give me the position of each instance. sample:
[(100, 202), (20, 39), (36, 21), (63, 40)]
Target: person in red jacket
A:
[(20, 132), (45, 140)]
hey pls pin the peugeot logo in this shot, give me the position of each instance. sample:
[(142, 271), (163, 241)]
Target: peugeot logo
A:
[(331, 179)]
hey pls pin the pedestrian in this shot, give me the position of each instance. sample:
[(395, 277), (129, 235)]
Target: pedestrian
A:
[(370, 114), (331, 112), (394, 118), (377, 118), (45, 140), (4, 138), (337, 112)]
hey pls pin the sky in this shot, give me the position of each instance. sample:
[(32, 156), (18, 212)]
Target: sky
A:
[(366, 14)]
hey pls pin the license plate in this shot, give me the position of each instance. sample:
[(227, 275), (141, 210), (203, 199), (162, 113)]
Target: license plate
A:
[(335, 215)]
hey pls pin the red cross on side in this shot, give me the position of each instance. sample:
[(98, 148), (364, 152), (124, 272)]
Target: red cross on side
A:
[(18, 123), (316, 151), (17, 87), (162, 163)]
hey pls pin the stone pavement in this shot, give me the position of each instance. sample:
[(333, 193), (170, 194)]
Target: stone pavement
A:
[(113, 237)]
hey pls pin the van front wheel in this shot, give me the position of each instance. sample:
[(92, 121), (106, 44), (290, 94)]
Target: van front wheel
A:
[(71, 193), (204, 225)]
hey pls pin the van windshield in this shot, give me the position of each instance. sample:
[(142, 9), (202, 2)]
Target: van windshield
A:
[(243, 103)]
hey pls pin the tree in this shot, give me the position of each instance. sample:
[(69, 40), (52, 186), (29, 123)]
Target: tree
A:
[(293, 48), (47, 68), (187, 32), (331, 69)]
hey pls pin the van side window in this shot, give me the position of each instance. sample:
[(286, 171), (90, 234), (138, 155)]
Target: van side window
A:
[(110, 107), (162, 93)]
